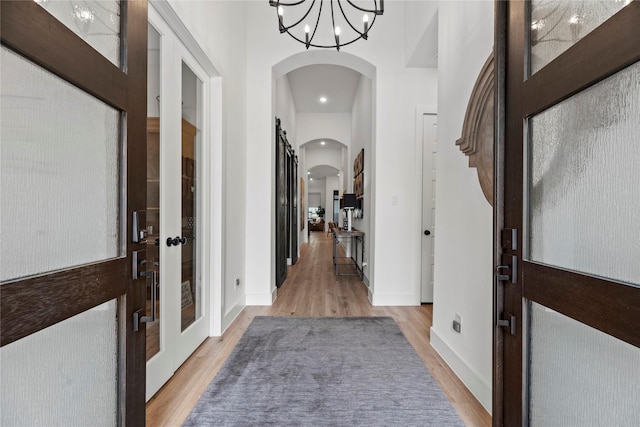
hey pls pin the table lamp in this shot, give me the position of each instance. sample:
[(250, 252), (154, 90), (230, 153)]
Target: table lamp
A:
[(349, 203)]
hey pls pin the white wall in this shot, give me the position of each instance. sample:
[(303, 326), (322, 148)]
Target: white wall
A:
[(286, 109), (419, 16), (361, 131), (220, 29), (463, 241), (397, 91), (323, 156), (323, 125)]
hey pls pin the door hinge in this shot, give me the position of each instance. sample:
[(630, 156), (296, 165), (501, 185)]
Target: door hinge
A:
[(508, 323)]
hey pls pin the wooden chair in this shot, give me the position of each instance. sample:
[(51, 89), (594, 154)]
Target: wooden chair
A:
[(332, 225)]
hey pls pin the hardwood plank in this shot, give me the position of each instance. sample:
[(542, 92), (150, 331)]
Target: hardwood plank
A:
[(311, 289)]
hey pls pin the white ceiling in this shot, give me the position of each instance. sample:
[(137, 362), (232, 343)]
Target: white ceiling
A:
[(338, 84)]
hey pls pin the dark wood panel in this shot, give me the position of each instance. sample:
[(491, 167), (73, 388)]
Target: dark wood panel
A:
[(598, 55), (135, 358), (500, 43), (53, 46), (613, 308), (511, 357), (36, 303)]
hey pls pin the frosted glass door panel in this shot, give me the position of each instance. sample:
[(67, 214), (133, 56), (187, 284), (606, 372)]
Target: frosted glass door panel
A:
[(45, 376), (584, 181), (556, 25), (96, 22), (60, 173), (571, 366), (191, 112)]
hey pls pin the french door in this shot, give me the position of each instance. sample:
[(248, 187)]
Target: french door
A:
[(567, 290), (175, 212), (73, 142)]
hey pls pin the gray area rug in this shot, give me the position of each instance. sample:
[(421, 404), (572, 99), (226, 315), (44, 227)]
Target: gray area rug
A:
[(302, 371)]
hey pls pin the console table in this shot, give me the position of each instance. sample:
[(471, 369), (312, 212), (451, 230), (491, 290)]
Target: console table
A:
[(354, 238)]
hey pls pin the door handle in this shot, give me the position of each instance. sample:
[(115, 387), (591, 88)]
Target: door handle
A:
[(176, 241), (137, 316), (427, 232)]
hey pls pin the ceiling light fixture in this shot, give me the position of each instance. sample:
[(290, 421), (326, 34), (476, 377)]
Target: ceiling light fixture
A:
[(323, 99), (322, 142), (333, 38)]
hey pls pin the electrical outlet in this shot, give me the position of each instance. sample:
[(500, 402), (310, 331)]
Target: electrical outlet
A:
[(237, 282), (457, 323), (456, 326)]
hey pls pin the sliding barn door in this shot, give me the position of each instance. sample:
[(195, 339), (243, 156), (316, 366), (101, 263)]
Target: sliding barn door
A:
[(281, 205), (293, 186), (568, 278)]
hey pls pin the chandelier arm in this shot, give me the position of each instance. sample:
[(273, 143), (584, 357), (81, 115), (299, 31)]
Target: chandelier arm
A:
[(333, 26), (317, 22), (349, 22), (375, 3), (301, 19)]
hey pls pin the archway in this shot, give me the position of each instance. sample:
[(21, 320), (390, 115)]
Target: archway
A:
[(355, 137)]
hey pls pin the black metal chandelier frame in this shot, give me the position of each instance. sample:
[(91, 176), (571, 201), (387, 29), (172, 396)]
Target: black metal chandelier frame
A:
[(309, 36)]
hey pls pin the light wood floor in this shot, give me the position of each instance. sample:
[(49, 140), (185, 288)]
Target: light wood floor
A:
[(311, 289)]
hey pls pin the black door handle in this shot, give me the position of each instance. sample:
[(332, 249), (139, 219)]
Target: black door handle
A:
[(427, 232), (173, 242)]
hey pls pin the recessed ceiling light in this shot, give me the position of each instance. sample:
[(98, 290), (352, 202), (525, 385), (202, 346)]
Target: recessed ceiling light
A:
[(308, 173), (322, 142), (323, 99), (310, 179), (338, 174)]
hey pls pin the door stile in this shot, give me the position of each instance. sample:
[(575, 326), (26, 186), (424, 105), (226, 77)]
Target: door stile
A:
[(500, 43), (136, 149), (510, 216)]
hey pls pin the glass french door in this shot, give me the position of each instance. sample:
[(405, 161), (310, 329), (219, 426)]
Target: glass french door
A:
[(72, 138), (175, 127), (567, 312)]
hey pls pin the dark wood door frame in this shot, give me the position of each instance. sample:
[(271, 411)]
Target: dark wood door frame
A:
[(36, 303), (603, 304)]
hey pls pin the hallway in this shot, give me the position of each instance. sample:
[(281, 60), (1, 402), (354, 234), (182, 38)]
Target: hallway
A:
[(311, 289)]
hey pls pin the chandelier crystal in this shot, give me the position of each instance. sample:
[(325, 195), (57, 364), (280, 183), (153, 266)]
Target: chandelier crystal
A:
[(337, 24)]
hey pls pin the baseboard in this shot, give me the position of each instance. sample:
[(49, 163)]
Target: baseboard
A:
[(480, 389), (260, 299), (231, 315), (394, 299)]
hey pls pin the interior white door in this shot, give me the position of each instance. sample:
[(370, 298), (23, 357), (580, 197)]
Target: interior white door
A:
[(429, 146), (175, 165)]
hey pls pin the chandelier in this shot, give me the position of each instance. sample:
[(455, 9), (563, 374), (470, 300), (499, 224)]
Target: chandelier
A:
[(308, 22)]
